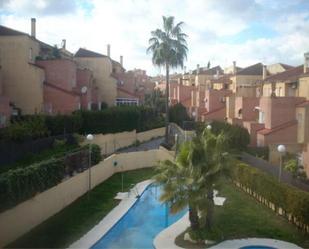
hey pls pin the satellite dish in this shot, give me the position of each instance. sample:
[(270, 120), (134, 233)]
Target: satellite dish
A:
[(84, 89)]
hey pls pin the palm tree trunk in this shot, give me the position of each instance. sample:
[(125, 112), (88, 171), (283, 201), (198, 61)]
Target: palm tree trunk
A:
[(210, 209), (193, 217), (167, 90)]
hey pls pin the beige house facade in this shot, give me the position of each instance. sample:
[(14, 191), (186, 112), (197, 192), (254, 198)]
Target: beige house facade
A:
[(22, 79), (102, 68)]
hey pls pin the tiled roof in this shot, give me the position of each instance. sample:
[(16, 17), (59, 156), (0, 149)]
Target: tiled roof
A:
[(87, 53), (210, 71), (266, 131), (4, 31), (290, 75), (286, 66), (213, 111), (127, 92), (73, 93), (256, 69), (303, 104)]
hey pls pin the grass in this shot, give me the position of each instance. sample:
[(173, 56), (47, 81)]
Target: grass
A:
[(56, 151), (78, 218), (241, 216)]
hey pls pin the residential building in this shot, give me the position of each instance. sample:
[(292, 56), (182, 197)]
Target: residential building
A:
[(22, 79), (102, 67)]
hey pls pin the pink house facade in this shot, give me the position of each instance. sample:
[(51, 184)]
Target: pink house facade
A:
[(60, 82), (67, 88)]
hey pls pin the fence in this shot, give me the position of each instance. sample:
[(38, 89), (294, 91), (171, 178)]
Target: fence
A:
[(279, 210), (273, 170), (22, 218), (11, 151)]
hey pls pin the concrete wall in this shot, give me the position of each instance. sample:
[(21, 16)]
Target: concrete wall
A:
[(102, 70), (109, 143), (305, 157), (303, 90), (22, 218), (22, 80)]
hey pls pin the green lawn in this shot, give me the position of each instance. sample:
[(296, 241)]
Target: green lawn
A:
[(241, 216), (74, 221)]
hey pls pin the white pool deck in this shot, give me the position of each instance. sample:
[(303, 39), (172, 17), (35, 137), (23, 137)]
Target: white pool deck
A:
[(90, 238), (236, 244)]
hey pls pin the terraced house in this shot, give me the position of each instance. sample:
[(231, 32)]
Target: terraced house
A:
[(47, 77)]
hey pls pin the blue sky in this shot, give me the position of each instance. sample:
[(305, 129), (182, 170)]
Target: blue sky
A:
[(220, 31)]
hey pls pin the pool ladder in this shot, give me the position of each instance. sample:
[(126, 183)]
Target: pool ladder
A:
[(134, 190)]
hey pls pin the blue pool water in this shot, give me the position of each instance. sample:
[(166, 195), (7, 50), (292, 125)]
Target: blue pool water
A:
[(140, 225)]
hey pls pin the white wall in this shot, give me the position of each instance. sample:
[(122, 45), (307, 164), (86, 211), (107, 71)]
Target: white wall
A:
[(22, 218)]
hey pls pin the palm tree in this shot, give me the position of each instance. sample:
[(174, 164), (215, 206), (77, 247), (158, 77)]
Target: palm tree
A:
[(169, 50), (189, 181)]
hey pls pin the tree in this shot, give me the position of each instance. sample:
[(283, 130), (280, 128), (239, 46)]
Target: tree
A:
[(208, 65), (178, 114), (189, 181), (169, 50)]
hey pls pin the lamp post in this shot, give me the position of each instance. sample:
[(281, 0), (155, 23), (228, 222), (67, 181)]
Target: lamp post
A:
[(176, 143), (208, 127), (281, 149), (89, 137)]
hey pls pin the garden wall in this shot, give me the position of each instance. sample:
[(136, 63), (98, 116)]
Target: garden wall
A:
[(22, 218), (109, 143)]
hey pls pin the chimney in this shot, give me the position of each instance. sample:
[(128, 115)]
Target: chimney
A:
[(306, 62), (64, 43), (217, 74), (264, 72), (197, 68), (234, 67), (108, 50), (121, 60), (33, 22)]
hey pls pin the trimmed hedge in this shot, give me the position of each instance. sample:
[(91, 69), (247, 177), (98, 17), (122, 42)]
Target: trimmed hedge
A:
[(292, 200), (17, 185), (20, 184), (110, 120)]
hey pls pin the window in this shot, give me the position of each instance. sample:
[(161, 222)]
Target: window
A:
[(126, 101), (261, 117), (30, 55)]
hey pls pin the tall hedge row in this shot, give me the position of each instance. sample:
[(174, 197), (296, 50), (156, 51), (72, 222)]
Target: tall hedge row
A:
[(17, 185), (110, 120), (292, 200), (20, 184)]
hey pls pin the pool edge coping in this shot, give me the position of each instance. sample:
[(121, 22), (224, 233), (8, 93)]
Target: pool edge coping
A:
[(90, 238)]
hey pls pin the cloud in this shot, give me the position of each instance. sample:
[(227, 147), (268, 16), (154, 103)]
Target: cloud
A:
[(39, 7), (126, 25)]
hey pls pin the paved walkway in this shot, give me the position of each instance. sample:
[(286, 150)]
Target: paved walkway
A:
[(150, 145)]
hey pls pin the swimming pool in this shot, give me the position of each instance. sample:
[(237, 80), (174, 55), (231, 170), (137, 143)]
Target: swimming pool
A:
[(139, 226)]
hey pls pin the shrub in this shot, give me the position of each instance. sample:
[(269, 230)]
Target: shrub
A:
[(64, 124), (238, 136), (294, 201), (178, 114), (22, 183), (96, 156)]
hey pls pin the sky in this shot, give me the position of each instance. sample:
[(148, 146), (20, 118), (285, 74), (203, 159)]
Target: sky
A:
[(219, 31)]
